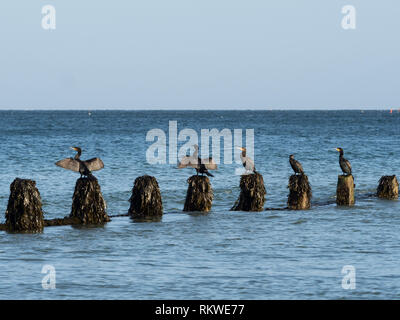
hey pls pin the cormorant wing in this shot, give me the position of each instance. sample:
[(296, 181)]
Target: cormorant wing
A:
[(300, 167), (188, 161), (348, 163), (209, 164), (94, 164), (69, 164)]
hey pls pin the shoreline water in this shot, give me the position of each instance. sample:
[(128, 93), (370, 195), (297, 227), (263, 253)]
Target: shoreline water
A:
[(265, 255)]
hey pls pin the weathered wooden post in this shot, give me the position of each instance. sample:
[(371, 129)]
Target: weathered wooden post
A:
[(88, 204), (252, 194), (199, 194), (24, 210), (300, 193), (146, 199), (388, 188), (345, 190)]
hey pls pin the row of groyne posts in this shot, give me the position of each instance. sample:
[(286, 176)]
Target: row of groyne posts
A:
[(24, 210)]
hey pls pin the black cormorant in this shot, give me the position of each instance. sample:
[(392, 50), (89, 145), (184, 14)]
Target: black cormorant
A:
[(247, 162), (201, 165), (85, 168), (296, 166), (344, 164)]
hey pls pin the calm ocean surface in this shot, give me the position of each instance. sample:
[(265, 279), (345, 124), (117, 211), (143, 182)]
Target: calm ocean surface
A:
[(222, 255)]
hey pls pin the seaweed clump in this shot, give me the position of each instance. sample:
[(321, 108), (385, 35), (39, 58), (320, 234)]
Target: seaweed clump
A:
[(388, 188), (252, 193), (88, 204), (199, 194), (24, 210), (146, 199)]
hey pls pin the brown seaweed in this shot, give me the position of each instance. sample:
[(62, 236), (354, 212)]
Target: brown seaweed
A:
[(199, 195), (24, 210), (252, 194), (88, 204), (388, 188), (146, 202)]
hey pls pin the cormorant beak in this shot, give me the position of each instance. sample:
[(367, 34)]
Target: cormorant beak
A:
[(242, 149), (337, 149), (73, 148)]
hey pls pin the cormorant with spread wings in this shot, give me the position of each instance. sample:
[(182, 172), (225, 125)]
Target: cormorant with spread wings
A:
[(84, 167), (201, 165)]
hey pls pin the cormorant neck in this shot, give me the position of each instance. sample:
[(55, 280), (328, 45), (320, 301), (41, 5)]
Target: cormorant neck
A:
[(244, 153), (78, 155)]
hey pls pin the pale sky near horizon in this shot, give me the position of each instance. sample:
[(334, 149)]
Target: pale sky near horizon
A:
[(178, 54)]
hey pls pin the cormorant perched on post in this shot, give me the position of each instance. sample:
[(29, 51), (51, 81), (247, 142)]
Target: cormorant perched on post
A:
[(296, 166), (201, 165), (247, 162), (344, 164), (85, 168)]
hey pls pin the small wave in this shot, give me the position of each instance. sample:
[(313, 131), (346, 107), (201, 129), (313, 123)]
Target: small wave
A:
[(300, 221)]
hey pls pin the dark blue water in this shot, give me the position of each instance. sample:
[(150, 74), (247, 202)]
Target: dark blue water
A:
[(222, 255)]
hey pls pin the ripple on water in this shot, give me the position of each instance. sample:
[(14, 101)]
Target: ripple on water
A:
[(222, 255)]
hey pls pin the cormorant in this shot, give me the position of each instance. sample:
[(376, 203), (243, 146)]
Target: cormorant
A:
[(247, 162), (85, 168), (203, 168), (201, 165), (296, 166), (344, 164)]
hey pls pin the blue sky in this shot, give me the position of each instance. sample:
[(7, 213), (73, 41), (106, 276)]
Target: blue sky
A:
[(225, 54)]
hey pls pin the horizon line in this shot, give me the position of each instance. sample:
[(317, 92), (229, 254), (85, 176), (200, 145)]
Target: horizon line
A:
[(195, 109)]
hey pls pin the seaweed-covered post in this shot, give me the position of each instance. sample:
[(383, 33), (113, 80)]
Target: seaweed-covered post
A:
[(88, 204), (252, 194), (345, 190), (24, 210), (388, 188), (199, 194), (299, 192), (146, 199)]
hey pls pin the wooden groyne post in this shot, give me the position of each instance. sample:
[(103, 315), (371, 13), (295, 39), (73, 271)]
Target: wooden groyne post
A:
[(345, 190), (388, 188), (24, 210), (199, 195), (88, 204), (252, 193), (300, 193), (146, 202)]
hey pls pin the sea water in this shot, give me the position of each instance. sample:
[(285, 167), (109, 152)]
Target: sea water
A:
[(219, 255)]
